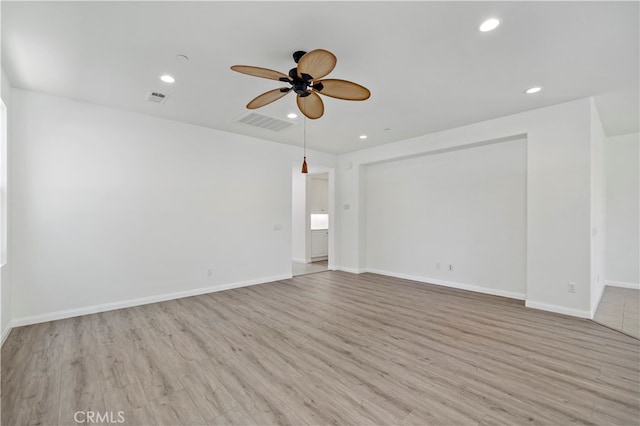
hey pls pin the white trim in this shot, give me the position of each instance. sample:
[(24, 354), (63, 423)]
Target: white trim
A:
[(300, 260), (5, 334), (558, 309), (350, 270), (69, 313), (451, 284), (633, 286)]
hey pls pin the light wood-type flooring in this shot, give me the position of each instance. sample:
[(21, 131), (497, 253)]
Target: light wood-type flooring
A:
[(326, 348)]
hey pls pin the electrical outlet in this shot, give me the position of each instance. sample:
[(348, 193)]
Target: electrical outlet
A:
[(209, 272), (450, 267), (437, 265), (571, 288)]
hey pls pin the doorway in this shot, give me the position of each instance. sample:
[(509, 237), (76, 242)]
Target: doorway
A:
[(312, 230)]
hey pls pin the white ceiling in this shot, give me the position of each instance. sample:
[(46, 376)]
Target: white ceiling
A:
[(426, 64)]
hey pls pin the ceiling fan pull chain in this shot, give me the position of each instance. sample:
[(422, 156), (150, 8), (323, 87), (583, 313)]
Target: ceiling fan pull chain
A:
[(304, 161)]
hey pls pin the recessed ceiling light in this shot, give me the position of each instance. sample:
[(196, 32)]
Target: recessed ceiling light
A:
[(533, 90), (292, 115), (489, 25), (167, 78), (363, 136)]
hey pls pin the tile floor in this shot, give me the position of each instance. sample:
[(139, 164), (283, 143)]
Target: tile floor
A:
[(619, 309), (300, 268)]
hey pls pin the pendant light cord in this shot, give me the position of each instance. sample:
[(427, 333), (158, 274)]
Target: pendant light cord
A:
[(304, 161)]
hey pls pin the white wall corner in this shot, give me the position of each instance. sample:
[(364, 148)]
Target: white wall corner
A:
[(599, 291), (598, 210)]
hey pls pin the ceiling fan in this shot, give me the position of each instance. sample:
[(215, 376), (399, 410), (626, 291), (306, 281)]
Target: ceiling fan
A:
[(305, 82)]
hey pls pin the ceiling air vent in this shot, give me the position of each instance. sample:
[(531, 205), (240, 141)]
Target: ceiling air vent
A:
[(264, 121), (157, 97)]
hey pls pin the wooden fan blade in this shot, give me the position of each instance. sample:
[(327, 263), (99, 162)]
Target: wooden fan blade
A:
[(317, 63), (267, 98), (311, 106), (343, 89), (259, 72)]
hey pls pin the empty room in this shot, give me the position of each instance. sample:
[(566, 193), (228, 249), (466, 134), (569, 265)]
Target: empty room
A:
[(320, 213)]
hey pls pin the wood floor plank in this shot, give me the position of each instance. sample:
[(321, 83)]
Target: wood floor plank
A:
[(14, 357), (116, 367), (108, 326), (39, 392), (236, 417), (327, 348), (208, 395), (176, 408), (152, 364), (78, 337), (80, 389), (250, 392), (129, 403)]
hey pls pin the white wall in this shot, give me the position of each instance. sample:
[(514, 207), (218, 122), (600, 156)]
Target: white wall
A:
[(622, 155), (558, 197), (465, 208), (299, 216), (112, 207), (318, 192), (5, 272)]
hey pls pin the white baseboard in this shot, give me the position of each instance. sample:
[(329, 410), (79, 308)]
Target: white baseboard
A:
[(558, 309), (69, 313), (451, 284), (633, 286), (5, 334), (300, 260), (351, 270)]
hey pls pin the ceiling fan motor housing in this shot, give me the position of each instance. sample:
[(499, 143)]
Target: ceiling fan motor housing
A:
[(301, 84)]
